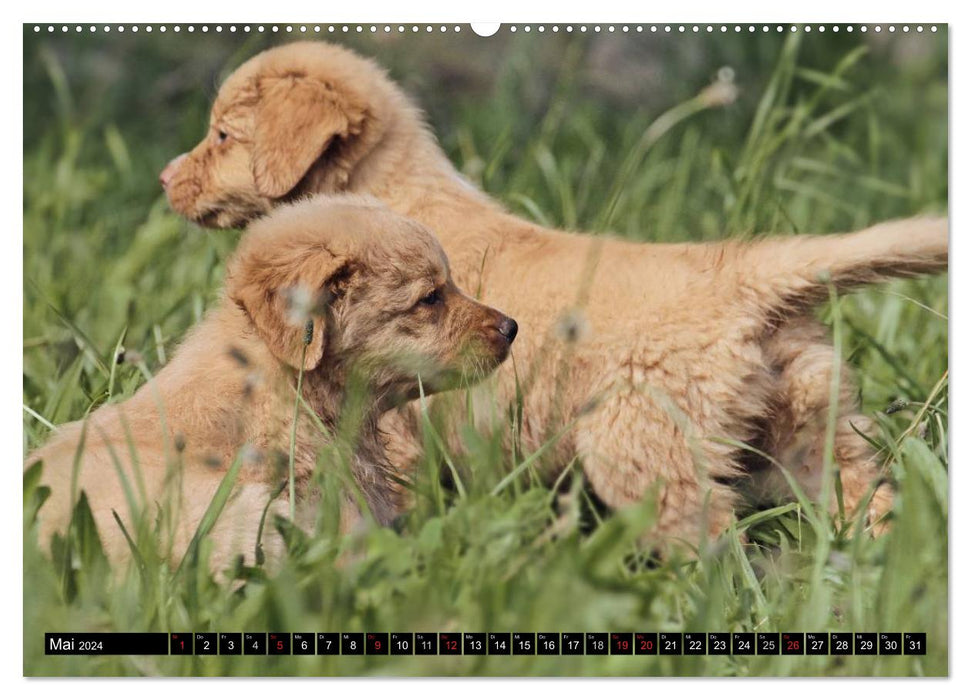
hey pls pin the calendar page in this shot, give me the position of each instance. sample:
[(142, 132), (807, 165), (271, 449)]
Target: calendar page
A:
[(524, 349)]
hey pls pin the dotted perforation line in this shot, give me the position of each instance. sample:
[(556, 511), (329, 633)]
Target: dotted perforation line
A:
[(441, 28), (725, 28), (247, 28)]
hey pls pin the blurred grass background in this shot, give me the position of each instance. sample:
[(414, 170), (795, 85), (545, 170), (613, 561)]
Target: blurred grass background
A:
[(829, 132)]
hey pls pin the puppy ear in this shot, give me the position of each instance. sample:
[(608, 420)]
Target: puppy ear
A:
[(286, 293), (296, 120)]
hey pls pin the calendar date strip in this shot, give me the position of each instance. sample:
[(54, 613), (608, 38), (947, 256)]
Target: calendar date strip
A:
[(485, 643)]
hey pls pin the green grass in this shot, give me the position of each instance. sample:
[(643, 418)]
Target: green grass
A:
[(829, 133)]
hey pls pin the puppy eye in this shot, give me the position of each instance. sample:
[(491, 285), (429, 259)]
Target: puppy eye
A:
[(222, 136), (431, 299)]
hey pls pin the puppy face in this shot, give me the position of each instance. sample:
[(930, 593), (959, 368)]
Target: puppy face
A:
[(286, 122), (410, 321), (343, 284)]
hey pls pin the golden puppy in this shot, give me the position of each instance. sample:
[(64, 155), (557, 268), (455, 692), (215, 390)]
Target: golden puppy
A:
[(657, 359), (378, 304)]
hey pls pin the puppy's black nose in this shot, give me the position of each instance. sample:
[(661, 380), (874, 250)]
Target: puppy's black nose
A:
[(508, 328)]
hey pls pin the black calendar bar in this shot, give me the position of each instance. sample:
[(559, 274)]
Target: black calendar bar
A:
[(376, 644)]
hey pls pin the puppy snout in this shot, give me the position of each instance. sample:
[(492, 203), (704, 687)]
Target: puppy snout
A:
[(508, 328), (168, 172)]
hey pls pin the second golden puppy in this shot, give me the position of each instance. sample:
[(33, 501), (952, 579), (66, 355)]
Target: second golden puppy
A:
[(338, 287)]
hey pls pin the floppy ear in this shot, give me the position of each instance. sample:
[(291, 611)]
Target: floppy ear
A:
[(285, 293), (297, 119)]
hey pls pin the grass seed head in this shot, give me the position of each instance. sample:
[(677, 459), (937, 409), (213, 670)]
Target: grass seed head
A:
[(251, 454), (132, 357), (572, 326), (301, 305), (723, 91), (895, 406)]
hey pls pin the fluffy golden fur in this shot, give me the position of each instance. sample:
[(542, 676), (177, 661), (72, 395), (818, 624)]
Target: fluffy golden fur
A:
[(376, 289), (658, 359)]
